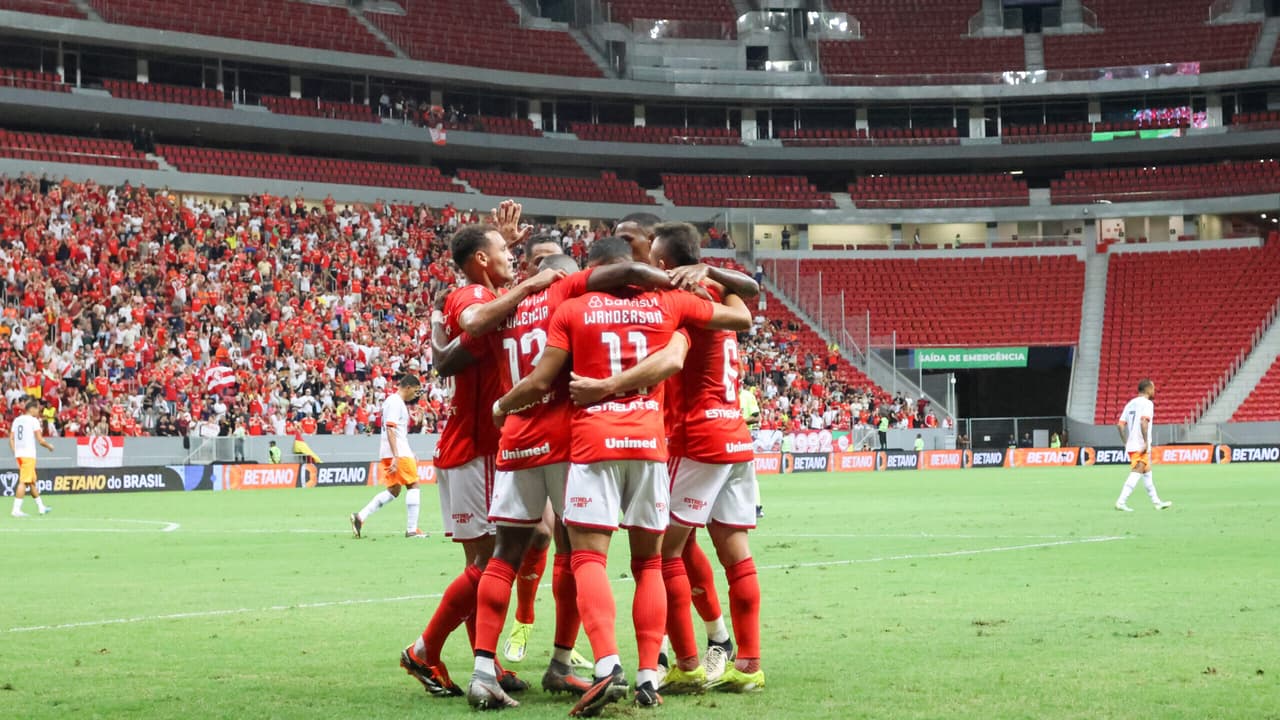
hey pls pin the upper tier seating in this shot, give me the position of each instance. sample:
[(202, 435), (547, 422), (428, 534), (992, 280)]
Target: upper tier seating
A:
[(657, 134), (939, 191), (482, 33), (880, 136), (32, 80), (155, 92), (313, 107), (1181, 319), (58, 8), (606, 188), (1176, 182), (282, 22), (1153, 32), (1077, 131), (719, 17), (296, 167), (70, 149), (915, 37), (970, 302), (744, 191), (1268, 120), (1263, 404), (503, 126)]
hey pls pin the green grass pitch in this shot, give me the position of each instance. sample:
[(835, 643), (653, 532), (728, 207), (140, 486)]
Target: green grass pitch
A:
[(969, 594)]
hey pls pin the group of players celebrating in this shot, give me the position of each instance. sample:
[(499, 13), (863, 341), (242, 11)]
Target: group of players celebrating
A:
[(585, 402)]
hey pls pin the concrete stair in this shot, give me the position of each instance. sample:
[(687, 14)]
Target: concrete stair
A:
[(1033, 51), (1247, 376), (374, 31), (1082, 403), (84, 7), (1266, 46)]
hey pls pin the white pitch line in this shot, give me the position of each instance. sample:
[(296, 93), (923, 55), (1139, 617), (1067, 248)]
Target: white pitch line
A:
[(166, 526), (906, 536), (406, 598)]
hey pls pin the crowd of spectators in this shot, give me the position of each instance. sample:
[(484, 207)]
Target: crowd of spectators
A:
[(133, 311)]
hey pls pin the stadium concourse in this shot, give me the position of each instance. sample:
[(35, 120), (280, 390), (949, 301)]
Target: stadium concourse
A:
[(132, 311)]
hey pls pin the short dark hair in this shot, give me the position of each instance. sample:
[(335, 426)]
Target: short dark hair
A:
[(31, 402), (1144, 384), (467, 241), (408, 380), (540, 239), (646, 220), (681, 241), (559, 261), (609, 249)]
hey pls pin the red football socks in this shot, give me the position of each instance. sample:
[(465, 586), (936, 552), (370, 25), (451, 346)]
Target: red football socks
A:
[(744, 607), (457, 605), (595, 601), (493, 597), (702, 581), (565, 591), (679, 620), (531, 570), (649, 609)]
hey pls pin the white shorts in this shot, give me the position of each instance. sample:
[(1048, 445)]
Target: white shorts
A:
[(638, 490), (723, 494), (520, 496), (464, 499)]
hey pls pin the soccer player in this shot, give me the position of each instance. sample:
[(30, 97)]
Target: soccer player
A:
[(464, 457), (533, 461), (637, 229), (1135, 431), (618, 454), (713, 479), (399, 464), (24, 435)]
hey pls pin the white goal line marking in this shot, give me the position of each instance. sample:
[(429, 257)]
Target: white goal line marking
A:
[(408, 598)]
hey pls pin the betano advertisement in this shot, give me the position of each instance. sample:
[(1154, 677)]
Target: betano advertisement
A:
[(65, 481)]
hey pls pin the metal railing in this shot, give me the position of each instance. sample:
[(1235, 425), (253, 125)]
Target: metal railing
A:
[(992, 433), (1035, 77)]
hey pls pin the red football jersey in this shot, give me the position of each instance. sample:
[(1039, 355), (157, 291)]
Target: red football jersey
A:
[(607, 334), (468, 430), (540, 435), (714, 431)]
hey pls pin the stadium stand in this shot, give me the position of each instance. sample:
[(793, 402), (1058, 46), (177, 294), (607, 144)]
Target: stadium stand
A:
[(482, 33), (32, 80), (915, 37), (974, 302), (57, 8), (503, 126), (1066, 132), (1152, 32), (606, 188), (656, 134), (297, 167), (1263, 404), (70, 149), (939, 191), (626, 11), (286, 22), (882, 136), (1182, 319), (314, 107), (155, 92), (1175, 182), (744, 191), (1269, 120)]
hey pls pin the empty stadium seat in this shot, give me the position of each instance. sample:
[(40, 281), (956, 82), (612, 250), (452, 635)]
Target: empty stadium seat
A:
[(32, 80), (284, 22), (939, 191), (42, 147), (717, 15), (1181, 319), (1176, 182), (969, 302), (1152, 32), (314, 107), (482, 33), (606, 188), (657, 134), (1263, 404), (155, 92), (57, 8), (744, 191), (880, 136), (307, 169), (916, 37)]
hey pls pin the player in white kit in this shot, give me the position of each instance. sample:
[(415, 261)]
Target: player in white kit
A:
[(399, 465), (1135, 430), (23, 438)]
